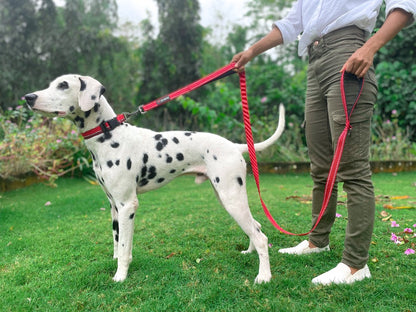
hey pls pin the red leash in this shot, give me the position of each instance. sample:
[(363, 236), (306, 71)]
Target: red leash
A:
[(218, 74), (335, 162)]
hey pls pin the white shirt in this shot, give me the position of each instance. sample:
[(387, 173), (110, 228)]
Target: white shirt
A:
[(316, 18)]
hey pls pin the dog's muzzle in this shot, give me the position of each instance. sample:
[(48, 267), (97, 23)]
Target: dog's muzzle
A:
[(31, 99)]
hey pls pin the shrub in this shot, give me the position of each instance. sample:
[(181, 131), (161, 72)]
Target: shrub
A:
[(47, 147)]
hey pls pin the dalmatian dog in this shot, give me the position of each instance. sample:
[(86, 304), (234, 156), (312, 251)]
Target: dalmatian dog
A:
[(129, 160)]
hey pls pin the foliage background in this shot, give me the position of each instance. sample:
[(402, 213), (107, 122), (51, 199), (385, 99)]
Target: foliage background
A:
[(40, 41)]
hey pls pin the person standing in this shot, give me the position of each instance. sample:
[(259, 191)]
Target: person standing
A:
[(333, 34)]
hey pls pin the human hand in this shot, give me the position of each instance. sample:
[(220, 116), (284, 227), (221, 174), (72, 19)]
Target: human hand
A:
[(241, 59), (359, 62)]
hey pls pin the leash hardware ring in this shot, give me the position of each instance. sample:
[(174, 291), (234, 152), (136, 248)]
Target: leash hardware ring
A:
[(141, 110)]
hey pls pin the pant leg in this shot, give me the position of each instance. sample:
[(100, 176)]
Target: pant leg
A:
[(355, 169), (319, 141)]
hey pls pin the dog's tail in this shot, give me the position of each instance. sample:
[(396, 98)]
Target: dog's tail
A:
[(265, 144)]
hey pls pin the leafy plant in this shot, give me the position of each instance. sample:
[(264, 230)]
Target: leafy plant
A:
[(31, 143)]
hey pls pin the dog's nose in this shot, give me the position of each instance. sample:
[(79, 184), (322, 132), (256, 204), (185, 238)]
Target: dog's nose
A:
[(31, 99)]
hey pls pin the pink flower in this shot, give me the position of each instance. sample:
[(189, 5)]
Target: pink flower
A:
[(48, 203), (408, 231), (263, 99), (394, 224), (58, 141), (409, 251), (337, 215), (394, 112), (394, 238), (414, 225)]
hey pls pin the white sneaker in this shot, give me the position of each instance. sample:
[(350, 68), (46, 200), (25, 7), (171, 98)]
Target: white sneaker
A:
[(341, 274), (303, 249)]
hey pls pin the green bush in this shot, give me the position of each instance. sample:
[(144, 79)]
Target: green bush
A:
[(47, 147)]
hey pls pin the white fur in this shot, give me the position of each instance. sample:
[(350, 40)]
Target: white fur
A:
[(132, 160)]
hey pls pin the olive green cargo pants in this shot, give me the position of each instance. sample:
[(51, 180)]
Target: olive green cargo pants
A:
[(325, 120)]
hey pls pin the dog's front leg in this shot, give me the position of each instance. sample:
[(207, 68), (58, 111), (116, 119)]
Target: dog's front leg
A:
[(126, 214), (116, 232)]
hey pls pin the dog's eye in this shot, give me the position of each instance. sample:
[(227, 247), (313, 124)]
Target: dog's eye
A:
[(63, 85)]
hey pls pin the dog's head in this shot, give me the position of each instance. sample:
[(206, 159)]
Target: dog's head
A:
[(65, 95)]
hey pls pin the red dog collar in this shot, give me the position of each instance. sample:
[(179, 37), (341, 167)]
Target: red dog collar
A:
[(105, 126)]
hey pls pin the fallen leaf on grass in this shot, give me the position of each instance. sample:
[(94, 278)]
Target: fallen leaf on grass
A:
[(400, 197), (385, 216), (391, 207), (302, 199), (171, 255)]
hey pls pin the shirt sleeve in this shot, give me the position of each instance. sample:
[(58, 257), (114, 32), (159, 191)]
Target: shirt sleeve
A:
[(407, 5), (291, 26)]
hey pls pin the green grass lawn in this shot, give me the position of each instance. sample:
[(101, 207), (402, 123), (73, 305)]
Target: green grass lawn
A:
[(56, 251)]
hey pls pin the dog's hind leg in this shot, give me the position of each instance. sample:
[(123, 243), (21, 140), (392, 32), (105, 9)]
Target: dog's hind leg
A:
[(126, 215), (233, 196)]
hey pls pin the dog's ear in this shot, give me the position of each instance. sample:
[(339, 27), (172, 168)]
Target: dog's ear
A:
[(89, 92)]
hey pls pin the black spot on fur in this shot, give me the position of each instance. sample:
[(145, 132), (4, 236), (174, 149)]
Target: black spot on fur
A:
[(79, 121), (143, 182), (116, 238), (169, 159), (172, 171), (217, 179), (152, 173), (137, 179), (109, 164), (144, 171), (83, 85), (160, 180), (93, 156), (115, 144), (118, 162), (115, 226), (162, 142), (188, 133), (145, 158), (106, 136), (96, 107), (240, 181), (159, 146), (63, 85), (215, 157), (71, 109), (129, 164), (131, 216), (87, 113), (175, 140), (180, 157), (93, 97)]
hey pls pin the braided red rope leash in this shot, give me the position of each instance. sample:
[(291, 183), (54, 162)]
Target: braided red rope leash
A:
[(335, 162)]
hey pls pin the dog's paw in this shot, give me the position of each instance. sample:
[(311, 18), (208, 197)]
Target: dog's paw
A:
[(120, 276), (262, 279)]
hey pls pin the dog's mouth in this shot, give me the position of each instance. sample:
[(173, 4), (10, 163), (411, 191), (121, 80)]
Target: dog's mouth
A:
[(49, 114)]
